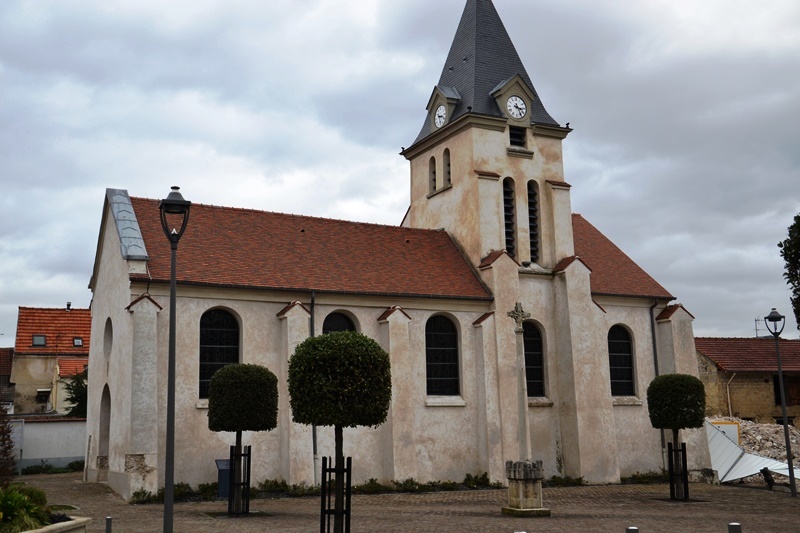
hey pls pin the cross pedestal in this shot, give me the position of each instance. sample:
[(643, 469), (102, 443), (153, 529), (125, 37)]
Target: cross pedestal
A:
[(525, 489)]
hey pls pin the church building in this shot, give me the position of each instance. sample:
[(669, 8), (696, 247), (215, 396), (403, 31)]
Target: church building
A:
[(489, 226)]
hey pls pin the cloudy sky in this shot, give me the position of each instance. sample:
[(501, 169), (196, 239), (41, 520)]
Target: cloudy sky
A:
[(686, 149)]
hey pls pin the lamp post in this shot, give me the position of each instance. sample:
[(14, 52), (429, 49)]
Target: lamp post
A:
[(174, 212), (772, 320)]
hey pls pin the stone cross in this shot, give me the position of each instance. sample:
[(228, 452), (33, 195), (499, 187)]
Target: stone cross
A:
[(523, 430)]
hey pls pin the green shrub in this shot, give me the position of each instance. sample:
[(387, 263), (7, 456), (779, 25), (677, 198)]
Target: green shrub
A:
[(144, 496), (564, 481), (44, 467), (19, 513), (273, 486), (243, 397), (409, 485), (208, 491), (676, 401), (646, 478), (371, 487), (34, 494), (302, 489), (76, 466)]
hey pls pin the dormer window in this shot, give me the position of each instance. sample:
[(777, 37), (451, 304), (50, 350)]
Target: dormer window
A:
[(77, 341), (516, 136), (39, 340)]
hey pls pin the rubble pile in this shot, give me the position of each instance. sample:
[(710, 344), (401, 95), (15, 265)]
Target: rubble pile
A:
[(766, 440)]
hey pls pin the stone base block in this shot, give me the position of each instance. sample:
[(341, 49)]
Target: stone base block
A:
[(526, 513)]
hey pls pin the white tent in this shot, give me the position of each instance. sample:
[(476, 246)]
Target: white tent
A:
[(731, 462)]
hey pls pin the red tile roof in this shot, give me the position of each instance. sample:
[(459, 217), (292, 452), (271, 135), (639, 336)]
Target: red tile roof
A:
[(59, 326), (257, 249), (6, 357), (613, 272), (670, 310), (69, 366), (749, 354)]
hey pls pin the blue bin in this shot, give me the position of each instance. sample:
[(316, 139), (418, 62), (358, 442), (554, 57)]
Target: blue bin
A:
[(223, 477)]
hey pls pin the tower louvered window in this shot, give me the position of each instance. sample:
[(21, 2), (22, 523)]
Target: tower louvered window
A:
[(219, 344), (432, 174), (447, 178), (533, 219), (620, 358), (508, 216), (534, 359)]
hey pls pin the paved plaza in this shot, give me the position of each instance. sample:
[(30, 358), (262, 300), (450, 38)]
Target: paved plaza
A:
[(609, 508)]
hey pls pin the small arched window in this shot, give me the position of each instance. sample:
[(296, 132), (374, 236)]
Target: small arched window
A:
[(219, 344), (337, 322), (620, 358), (508, 217), (534, 359), (533, 219), (441, 357), (448, 180), (432, 174)]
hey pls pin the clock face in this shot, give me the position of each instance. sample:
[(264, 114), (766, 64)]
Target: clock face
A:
[(441, 114), (516, 107)]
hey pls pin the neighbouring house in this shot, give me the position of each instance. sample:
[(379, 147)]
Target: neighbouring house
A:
[(741, 377), (47, 339), (6, 387), (489, 226)]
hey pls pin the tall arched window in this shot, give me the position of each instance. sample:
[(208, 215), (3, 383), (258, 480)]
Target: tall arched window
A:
[(432, 174), (620, 357), (508, 216), (533, 219), (441, 357), (219, 344), (534, 359), (448, 180), (337, 322)]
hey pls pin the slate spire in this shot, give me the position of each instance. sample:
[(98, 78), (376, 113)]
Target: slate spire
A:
[(481, 58)]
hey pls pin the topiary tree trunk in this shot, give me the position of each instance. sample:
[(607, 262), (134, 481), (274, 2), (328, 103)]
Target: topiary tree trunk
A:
[(676, 401), (341, 379), (242, 398)]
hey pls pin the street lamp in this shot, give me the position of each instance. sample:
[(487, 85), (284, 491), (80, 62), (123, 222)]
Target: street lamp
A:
[(772, 320), (174, 213)]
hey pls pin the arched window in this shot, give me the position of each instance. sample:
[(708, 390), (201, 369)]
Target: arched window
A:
[(447, 176), (533, 219), (432, 174), (620, 357), (219, 344), (508, 216), (534, 359), (337, 322), (441, 356)]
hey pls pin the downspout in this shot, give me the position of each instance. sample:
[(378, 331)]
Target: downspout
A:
[(728, 392), (655, 367), (313, 426)]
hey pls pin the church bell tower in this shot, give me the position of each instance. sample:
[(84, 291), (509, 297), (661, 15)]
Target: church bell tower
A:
[(486, 165)]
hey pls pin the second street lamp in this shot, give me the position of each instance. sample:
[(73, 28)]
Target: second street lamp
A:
[(772, 320), (174, 217)]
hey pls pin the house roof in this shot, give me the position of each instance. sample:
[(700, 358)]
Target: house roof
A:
[(246, 248), (69, 366), (613, 272), (750, 354), (60, 327), (6, 357), (482, 56)]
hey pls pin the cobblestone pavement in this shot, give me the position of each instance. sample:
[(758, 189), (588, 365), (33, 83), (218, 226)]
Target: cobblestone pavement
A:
[(609, 508)]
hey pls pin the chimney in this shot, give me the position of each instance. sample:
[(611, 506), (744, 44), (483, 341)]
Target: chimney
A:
[(69, 306)]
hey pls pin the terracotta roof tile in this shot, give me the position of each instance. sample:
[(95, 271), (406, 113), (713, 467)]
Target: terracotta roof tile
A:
[(670, 310), (258, 249), (493, 256), (59, 326), (69, 366), (6, 357), (613, 272), (749, 354)]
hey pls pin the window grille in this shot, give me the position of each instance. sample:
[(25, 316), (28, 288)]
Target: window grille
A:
[(219, 344), (620, 355), (533, 219), (534, 359), (516, 136), (441, 355)]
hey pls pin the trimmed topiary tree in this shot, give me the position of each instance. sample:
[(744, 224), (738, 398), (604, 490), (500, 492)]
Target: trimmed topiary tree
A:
[(242, 398), (676, 402), (341, 379)]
